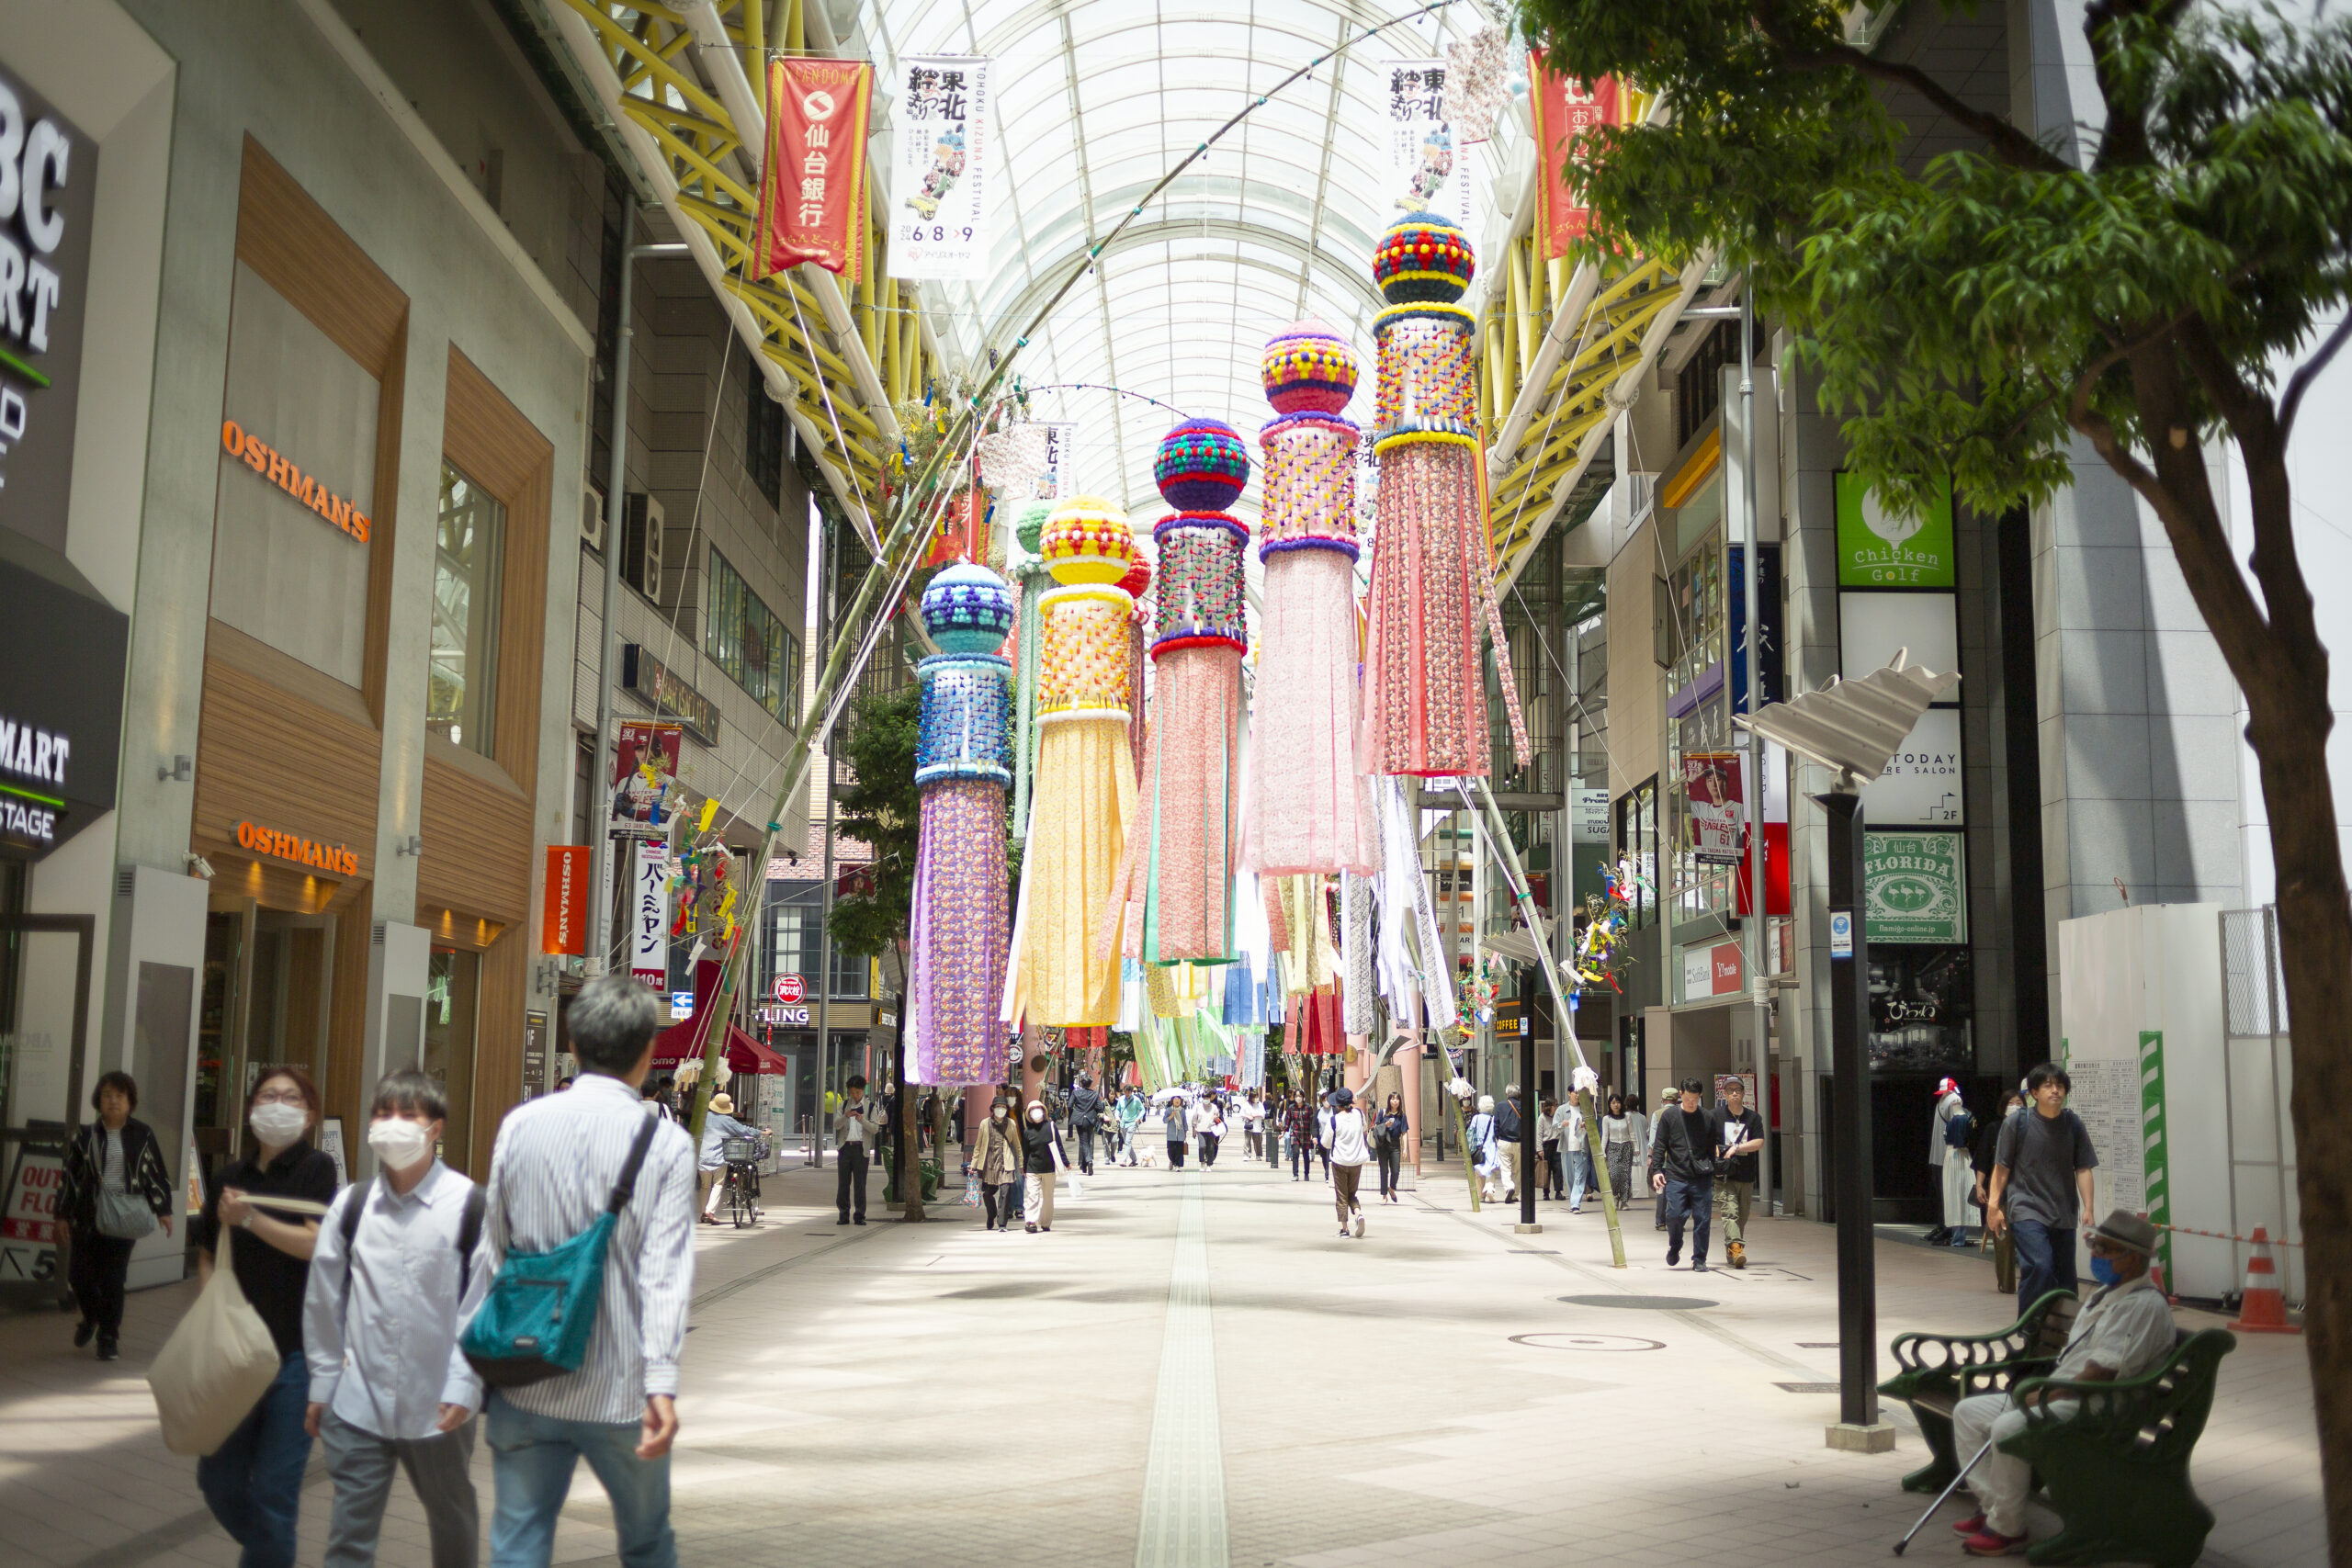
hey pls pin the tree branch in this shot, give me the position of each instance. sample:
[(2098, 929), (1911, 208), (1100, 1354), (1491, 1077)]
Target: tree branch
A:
[(2011, 145), (2300, 382)]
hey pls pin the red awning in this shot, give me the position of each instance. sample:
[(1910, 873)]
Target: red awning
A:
[(680, 1041)]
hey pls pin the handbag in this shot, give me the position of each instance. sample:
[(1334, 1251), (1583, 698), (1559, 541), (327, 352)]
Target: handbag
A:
[(124, 1215), (972, 1188), (534, 1323), (216, 1365)]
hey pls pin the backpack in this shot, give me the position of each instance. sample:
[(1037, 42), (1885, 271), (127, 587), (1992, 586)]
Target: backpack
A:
[(541, 1307), (469, 1232), (1958, 1127)]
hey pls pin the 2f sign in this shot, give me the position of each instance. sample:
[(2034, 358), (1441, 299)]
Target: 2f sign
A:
[(1841, 933)]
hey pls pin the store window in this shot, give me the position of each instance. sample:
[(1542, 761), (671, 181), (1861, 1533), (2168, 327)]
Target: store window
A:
[(764, 443), (747, 640), (452, 999), (1637, 841), (461, 686)]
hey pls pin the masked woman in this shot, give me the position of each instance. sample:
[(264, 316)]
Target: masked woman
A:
[(1042, 1155), (115, 1191), (998, 1155)]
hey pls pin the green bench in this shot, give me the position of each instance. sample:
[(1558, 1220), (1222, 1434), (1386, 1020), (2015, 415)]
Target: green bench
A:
[(2115, 1469)]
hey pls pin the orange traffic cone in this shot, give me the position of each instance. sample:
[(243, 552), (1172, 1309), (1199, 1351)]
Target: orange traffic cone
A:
[(2264, 1311)]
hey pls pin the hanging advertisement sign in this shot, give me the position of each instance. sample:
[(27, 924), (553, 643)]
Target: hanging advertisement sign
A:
[(47, 199), (649, 925), (1055, 481), (1921, 785), (1564, 110), (1427, 171), (1711, 779), (1914, 887), (938, 219), (645, 776), (1878, 548), (812, 178), (564, 922)]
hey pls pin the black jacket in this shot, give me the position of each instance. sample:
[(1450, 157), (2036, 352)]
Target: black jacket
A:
[(1085, 1108), (1507, 1122), (85, 1161), (1685, 1150), (1039, 1142)]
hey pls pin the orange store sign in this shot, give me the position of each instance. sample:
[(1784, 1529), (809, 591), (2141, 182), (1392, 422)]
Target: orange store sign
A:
[(336, 860), (279, 470)]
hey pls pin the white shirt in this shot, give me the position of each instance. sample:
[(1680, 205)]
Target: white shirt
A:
[(550, 1174), (1548, 1126), (2126, 1328), (1253, 1116), (1348, 1147), (1938, 1150), (856, 1120), (1203, 1118), (382, 1338)]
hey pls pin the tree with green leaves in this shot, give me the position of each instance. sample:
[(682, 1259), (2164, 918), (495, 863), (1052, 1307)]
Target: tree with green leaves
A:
[(881, 808), (2142, 288)]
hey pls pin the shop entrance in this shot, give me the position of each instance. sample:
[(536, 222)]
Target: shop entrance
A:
[(44, 1080), (452, 1019), (267, 977)]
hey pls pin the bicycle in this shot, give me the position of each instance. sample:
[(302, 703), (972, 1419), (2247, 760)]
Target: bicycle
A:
[(742, 1189)]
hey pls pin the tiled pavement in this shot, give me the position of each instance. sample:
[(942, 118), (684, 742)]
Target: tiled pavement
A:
[(903, 1396)]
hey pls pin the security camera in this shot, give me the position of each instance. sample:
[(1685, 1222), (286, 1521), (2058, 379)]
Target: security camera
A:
[(199, 866)]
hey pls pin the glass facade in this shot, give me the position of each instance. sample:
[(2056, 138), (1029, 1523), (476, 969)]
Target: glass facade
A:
[(747, 639), (461, 686)]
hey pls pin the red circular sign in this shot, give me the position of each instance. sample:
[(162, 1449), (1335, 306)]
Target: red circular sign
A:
[(791, 989)]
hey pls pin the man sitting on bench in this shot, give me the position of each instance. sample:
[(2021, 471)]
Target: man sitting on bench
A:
[(2123, 1331)]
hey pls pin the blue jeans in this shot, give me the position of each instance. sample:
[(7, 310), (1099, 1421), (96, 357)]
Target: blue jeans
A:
[(532, 1459), (2045, 1259), (1579, 1176), (253, 1482), (1693, 1201)]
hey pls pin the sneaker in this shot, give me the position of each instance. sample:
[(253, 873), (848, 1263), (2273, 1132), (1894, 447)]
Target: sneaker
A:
[(1739, 1251), (107, 1350), (1358, 1221), (859, 1221), (1672, 1259), (1699, 1265), (1031, 1229), (82, 1332), (1343, 1233), (1972, 1525), (1989, 1542), (841, 1221)]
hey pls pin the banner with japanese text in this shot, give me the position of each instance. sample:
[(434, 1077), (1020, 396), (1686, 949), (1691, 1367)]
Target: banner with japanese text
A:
[(1427, 171), (938, 214), (648, 915), (812, 180), (1564, 110)]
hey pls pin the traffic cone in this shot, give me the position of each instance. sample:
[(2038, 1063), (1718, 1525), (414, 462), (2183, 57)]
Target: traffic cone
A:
[(2264, 1311)]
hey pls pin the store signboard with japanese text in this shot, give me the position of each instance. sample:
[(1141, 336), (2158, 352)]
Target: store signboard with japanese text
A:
[(812, 189), (1427, 173), (1914, 887), (1565, 110), (649, 922), (938, 216), (1879, 546), (46, 200)]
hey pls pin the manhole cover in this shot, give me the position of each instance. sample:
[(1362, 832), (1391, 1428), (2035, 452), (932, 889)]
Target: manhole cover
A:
[(1586, 1342), (1642, 1303)]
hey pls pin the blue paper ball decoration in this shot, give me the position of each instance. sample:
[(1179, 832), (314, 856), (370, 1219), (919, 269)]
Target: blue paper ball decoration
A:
[(1203, 465), (969, 609)]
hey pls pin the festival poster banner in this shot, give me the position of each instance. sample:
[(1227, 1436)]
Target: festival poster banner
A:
[(1565, 110), (1879, 547), (1055, 481), (1915, 887), (938, 214), (649, 922), (812, 180), (645, 776), (1717, 814), (1427, 171)]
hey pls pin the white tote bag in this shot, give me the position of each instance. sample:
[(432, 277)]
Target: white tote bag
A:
[(216, 1365)]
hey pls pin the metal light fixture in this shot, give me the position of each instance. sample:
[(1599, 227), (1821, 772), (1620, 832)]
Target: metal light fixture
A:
[(180, 770), (411, 845)]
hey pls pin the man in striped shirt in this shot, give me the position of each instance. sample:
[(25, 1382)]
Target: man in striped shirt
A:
[(550, 1176)]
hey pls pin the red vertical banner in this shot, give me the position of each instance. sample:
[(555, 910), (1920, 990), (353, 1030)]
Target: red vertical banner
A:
[(563, 921), (1565, 110), (962, 534), (812, 179)]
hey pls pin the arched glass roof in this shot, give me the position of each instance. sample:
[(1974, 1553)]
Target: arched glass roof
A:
[(1093, 103)]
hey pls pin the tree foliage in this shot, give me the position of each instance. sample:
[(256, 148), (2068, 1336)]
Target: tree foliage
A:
[(880, 808)]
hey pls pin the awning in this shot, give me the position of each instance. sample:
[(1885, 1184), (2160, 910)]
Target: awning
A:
[(680, 1041)]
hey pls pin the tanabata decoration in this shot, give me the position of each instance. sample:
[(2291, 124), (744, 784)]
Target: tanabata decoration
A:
[(1177, 876), (1085, 788), (1307, 812), (1137, 582), (963, 766), (1433, 574), (1029, 572)]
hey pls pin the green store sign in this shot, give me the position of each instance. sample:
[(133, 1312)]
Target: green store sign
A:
[(1877, 548), (1915, 887)]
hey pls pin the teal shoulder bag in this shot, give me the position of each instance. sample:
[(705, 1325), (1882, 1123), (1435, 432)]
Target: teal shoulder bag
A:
[(534, 1323)]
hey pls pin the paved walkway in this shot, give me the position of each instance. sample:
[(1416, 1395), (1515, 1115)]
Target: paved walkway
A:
[(1193, 1370)]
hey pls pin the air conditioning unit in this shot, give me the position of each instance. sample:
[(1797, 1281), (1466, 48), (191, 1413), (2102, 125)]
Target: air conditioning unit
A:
[(592, 518), (641, 528)]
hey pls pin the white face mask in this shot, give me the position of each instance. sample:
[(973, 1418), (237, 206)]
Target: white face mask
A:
[(1036, 1113), (998, 1112), (277, 1124), (398, 1142)]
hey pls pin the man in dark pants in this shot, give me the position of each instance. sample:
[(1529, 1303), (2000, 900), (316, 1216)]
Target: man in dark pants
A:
[(1682, 1165), (2041, 1183), (1085, 1118), (852, 1131)]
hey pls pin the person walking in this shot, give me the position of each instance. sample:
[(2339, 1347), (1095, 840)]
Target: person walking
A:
[(1951, 1173), (1351, 1152), (1507, 1141), (1323, 1132), (1682, 1171), (1208, 1127), (1980, 1159), (1254, 1125), (553, 1172), (1618, 1142), (998, 1158), (114, 1189), (855, 1125), (1085, 1121), (1739, 1135), (400, 1264), (1547, 1144), (1485, 1157), (1388, 1143), (253, 1482), (1298, 1131), (1657, 1203), (1043, 1160), (2042, 1184), (1573, 1153), (718, 1125)]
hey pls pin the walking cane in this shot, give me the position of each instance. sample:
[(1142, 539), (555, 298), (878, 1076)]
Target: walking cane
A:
[(1940, 1501)]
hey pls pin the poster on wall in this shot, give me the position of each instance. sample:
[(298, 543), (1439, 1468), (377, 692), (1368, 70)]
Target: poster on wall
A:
[(2106, 1095), (1718, 809), (645, 776), (1427, 171), (1914, 887), (1879, 546), (938, 219), (649, 926)]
